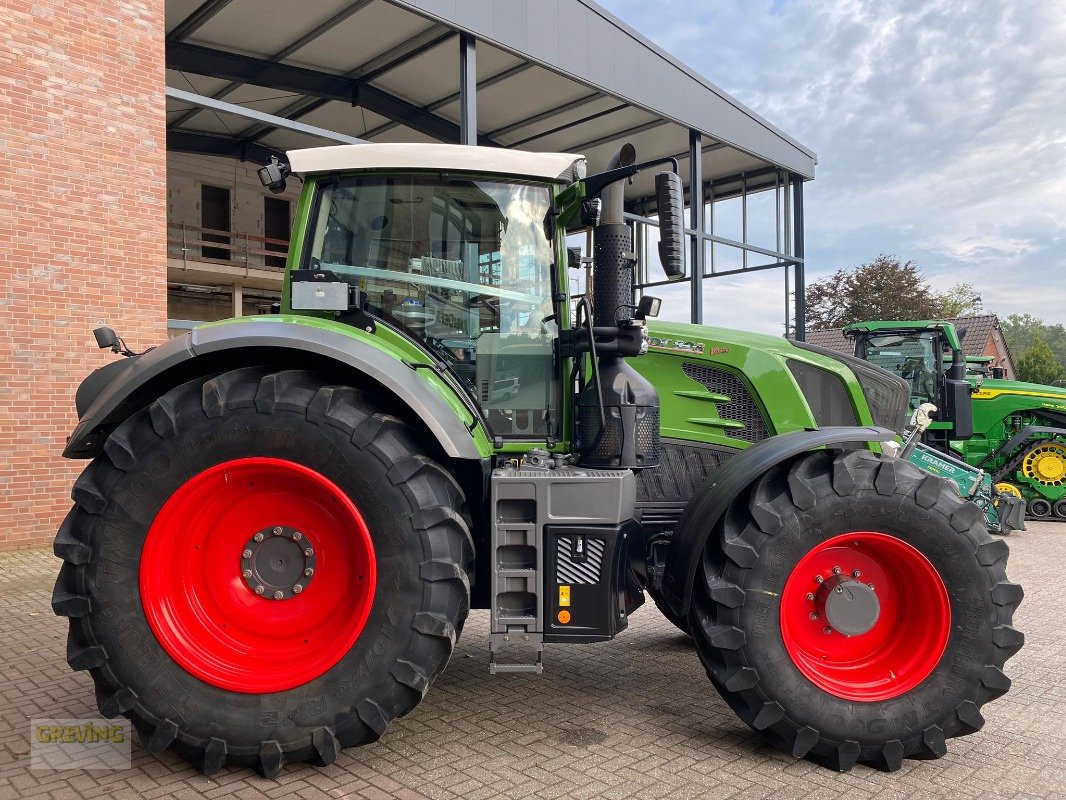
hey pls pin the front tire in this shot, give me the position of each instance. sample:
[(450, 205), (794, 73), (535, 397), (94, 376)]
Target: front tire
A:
[(836, 670), (190, 535)]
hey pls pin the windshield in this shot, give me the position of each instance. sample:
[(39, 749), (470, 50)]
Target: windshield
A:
[(912, 356), (464, 267)]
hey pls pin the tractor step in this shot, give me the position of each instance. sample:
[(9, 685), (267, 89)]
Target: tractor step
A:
[(526, 503)]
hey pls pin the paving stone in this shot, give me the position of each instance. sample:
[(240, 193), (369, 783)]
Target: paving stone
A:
[(632, 718)]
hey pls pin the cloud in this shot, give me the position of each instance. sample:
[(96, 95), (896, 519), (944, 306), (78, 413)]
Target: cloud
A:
[(940, 129)]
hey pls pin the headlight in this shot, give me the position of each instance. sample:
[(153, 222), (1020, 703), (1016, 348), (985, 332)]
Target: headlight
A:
[(887, 395)]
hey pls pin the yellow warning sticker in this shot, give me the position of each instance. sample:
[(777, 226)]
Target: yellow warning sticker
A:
[(564, 595)]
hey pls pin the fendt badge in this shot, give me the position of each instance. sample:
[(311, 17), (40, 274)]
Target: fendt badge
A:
[(677, 346)]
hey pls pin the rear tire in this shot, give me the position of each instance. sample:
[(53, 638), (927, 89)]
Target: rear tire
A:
[(422, 553), (743, 601)]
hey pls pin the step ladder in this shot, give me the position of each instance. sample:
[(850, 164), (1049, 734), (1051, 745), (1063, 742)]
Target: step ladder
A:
[(517, 609)]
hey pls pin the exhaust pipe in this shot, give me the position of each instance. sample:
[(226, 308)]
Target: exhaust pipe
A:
[(626, 436), (614, 195), (612, 286)]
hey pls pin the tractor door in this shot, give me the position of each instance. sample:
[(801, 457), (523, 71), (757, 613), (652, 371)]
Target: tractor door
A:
[(463, 267)]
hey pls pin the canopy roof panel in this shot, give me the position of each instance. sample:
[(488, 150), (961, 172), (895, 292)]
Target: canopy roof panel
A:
[(552, 76)]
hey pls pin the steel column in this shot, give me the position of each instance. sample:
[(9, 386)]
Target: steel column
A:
[(467, 89), (798, 253), (695, 160)]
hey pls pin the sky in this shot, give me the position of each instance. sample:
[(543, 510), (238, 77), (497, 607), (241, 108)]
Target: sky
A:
[(940, 131)]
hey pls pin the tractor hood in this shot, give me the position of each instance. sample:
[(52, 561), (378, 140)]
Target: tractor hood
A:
[(1036, 395), (735, 388)]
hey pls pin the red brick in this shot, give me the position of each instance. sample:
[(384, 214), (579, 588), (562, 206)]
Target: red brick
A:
[(83, 238)]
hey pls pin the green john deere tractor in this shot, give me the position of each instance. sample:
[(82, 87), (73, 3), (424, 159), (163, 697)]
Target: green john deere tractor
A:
[(286, 518), (1013, 431)]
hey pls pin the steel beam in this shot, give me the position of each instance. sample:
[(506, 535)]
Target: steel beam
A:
[(492, 80), (543, 115), (467, 89), (575, 123), (695, 205), (313, 83), (284, 53), (431, 37), (798, 251), (610, 137), (197, 19), (281, 122), (209, 145)]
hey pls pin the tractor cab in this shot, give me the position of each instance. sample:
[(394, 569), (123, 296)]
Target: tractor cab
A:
[(928, 355)]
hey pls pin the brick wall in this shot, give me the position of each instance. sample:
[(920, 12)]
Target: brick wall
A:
[(83, 231)]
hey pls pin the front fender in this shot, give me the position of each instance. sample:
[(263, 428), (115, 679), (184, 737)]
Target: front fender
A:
[(707, 506), (117, 390)]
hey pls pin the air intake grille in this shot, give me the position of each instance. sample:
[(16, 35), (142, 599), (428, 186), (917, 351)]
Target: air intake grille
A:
[(568, 571), (741, 406)]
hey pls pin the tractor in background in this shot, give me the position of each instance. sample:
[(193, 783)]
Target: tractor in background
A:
[(1013, 431), (285, 519)]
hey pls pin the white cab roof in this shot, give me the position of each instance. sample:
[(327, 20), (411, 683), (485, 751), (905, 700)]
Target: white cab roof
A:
[(339, 158)]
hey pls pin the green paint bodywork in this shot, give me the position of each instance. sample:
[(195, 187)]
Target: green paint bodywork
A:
[(689, 412), (1001, 408)]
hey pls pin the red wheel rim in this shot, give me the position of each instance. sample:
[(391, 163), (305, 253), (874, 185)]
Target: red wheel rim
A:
[(203, 607), (906, 636)]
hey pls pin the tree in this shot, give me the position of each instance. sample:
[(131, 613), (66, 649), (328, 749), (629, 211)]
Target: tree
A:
[(1021, 330), (1039, 365), (884, 288), (961, 300)]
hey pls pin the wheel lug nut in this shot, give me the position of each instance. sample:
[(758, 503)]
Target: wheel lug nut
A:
[(309, 572), (246, 554), (836, 570), (871, 586), (297, 589), (277, 530), (247, 573), (827, 630), (278, 595), (818, 579), (259, 590), (855, 573), (297, 536), (309, 552), (810, 595), (840, 590), (258, 537), (814, 615)]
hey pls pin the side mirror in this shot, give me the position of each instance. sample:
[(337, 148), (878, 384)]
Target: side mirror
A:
[(671, 202), (273, 175)]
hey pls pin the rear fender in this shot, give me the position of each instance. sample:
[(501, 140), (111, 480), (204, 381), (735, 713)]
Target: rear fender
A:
[(707, 506), (116, 391)]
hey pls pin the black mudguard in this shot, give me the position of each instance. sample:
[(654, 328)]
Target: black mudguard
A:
[(703, 512), (114, 392)]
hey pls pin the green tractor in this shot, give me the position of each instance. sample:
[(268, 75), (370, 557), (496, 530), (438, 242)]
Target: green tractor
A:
[(1013, 431), (286, 519)]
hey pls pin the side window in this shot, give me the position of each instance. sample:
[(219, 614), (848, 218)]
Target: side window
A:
[(464, 266)]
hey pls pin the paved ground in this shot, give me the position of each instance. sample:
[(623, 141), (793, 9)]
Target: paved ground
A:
[(631, 718)]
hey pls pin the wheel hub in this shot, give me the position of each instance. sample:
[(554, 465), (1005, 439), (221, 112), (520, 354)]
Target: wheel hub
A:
[(1046, 464), (849, 606), (278, 562)]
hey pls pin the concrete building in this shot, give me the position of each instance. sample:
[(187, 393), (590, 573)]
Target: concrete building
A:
[(129, 196)]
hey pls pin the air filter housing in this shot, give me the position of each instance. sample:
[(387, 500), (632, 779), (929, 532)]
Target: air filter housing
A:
[(630, 437)]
